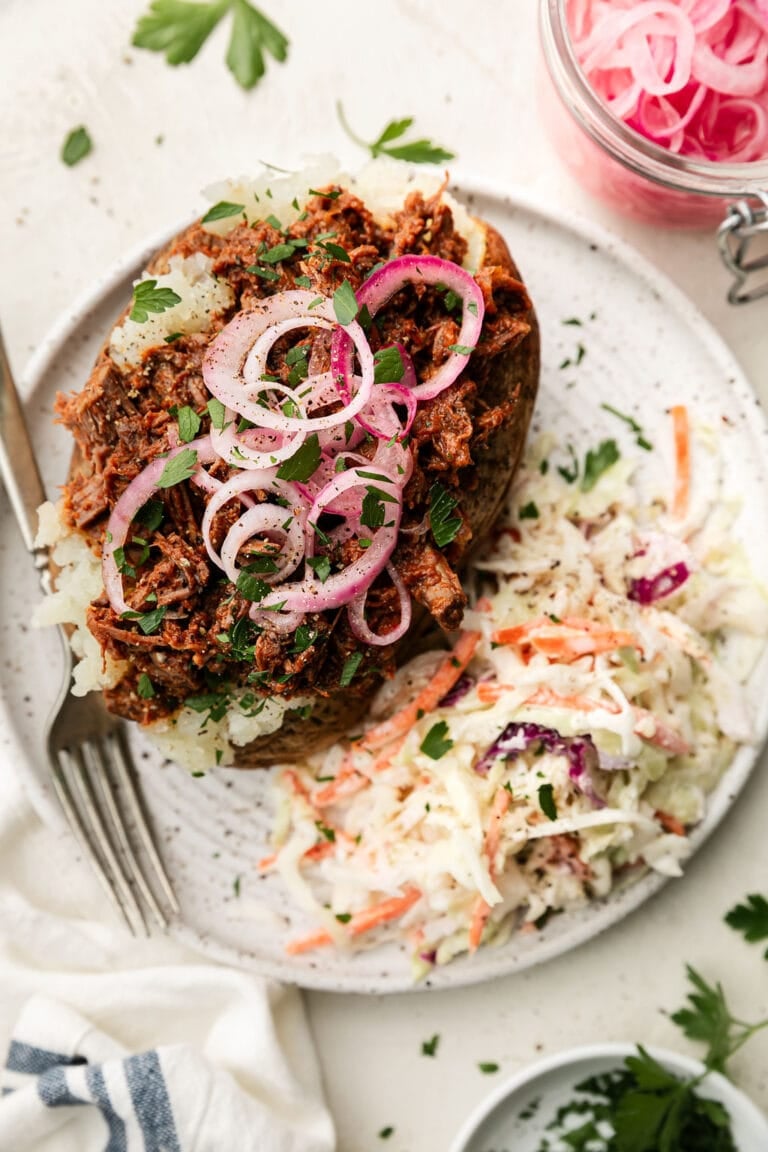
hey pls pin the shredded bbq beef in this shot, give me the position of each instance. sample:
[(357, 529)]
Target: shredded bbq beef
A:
[(205, 643)]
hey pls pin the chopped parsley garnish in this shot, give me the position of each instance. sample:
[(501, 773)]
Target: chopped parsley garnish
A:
[(580, 353), (336, 251), (265, 273), (751, 919), (174, 336), (321, 566), (332, 195), (262, 563), (214, 703), (385, 1133), (345, 304), (278, 253), (597, 461), (461, 349), (372, 512), (179, 467), (149, 622), (640, 439), (573, 320), (324, 830), (547, 801), (147, 297), (429, 1047), (444, 525), (488, 1067), (145, 688), (343, 917), (221, 211), (351, 665), (389, 367), (303, 638), (421, 151), (179, 29), (151, 514), (570, 474), (304, 461), (76, 146), (236, 885), (528, 511), (303, 282), (437, 742), (188, 422), (251, 587), (217, 413)]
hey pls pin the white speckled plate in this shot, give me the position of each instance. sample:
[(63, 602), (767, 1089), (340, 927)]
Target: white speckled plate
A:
[(646, 348)]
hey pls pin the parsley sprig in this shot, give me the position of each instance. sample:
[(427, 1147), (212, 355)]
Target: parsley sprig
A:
[(708, 1019), (421, 151), (179, 28), (147, 297), (751, 919)]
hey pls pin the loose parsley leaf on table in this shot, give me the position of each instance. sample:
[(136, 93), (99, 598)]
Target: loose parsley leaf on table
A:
[(421, 151), (147, 297), (179, 28), (709, 1020), (751, 919), (429, 1047), (444, 525), (76, 146)]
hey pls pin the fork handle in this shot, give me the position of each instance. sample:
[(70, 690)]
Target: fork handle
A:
[(18, 466)]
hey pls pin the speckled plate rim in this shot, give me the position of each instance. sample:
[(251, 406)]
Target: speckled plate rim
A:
[(589, 1058), (583, 924)]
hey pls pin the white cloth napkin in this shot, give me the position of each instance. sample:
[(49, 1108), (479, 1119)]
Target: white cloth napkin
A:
[(122, 1045)]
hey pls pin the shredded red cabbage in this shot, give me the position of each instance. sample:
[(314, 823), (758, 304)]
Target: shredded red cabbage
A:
[(664, 583), (458, 692), (517, 737)]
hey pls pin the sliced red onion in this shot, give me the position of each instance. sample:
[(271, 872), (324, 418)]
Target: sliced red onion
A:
[(517, 737), (254, 480), (357, 621), (233, 377), (648, 589), (136, 495), (388, 280), (267, 522)]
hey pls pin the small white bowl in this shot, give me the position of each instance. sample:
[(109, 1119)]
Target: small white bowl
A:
[(537, 1092)]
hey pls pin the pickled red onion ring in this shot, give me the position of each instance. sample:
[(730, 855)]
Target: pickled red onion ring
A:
[(689, 75), (252, 480), (359, 625)]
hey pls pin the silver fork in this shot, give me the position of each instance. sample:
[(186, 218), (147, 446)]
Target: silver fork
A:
[(89, 757)]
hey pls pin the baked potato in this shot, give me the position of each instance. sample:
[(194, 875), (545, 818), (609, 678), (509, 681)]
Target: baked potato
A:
[(191, 651)]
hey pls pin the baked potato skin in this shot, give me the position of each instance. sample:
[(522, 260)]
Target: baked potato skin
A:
[(506, 381)]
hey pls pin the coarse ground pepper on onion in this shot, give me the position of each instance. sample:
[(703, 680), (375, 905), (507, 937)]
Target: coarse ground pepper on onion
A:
[(283, 489)]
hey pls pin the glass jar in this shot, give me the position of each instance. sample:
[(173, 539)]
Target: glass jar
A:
[(624, 169)]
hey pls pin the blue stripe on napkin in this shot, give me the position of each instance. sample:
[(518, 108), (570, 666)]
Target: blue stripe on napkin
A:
[(32, 1061), (146, 1085), (94, 1078), (53, 1090)]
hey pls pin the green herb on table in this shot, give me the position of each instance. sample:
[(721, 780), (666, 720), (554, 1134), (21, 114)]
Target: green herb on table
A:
[(488, 1068), (429, 1047), (147, 297), (389, 142), (76, 146), (751, 919), (598, 461), (385, 1133), (236, 885), (179, 28), (709, 1020)]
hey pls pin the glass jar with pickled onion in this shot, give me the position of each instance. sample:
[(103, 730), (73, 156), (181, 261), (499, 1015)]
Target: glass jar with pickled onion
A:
[(660, 107)]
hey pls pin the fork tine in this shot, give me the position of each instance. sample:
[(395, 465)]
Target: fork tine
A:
[(83, 757), (61, 787), (122, 758), (133, 868)]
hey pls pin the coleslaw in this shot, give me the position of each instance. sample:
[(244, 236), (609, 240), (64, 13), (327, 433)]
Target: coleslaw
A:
[(569, 740)]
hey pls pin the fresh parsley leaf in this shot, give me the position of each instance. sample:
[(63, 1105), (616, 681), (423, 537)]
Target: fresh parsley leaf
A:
[(336, 251), (444, 525), (708, 1020), (640, 439), (151, 514), (321, 566), (343, 917), (262, 563), (222, 211), (351, 665), (461, 349), (751, 919), (328, 833), (389, 367), (149, 622), (385, 1133), (174, 336), (345, 304), (253, 35), (145, 688), (573, 320), (437, 742), (528, 511), (147, 297), (264, 273), (278, 253), (251, 587), (304, 461), (488, 1067), (372, 513), (217, 413), (214, 703), (178, 29), (303, 638), (188, 422), (429, 1047), (570, 474), (547, 801), (179, 467), (420, 151), (303, 282), (597, 461), (76, 146)]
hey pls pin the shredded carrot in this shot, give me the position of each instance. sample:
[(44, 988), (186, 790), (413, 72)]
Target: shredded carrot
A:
[(361, 922), (670, 823), (443, 680), (347, 782), (568, 639), (682, 436), (299, 789), (482, 909), (267, 862)]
